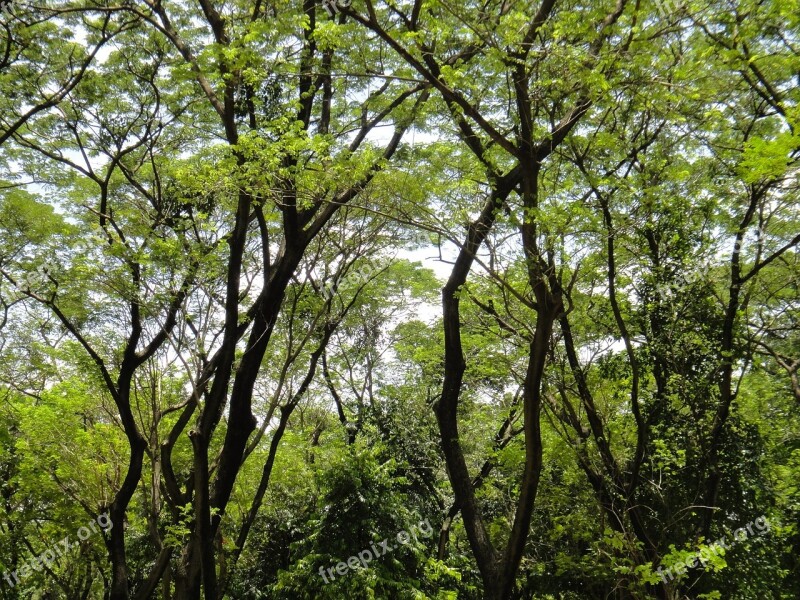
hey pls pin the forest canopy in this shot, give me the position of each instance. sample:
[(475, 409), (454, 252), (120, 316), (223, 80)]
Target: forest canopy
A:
[(399, 299)]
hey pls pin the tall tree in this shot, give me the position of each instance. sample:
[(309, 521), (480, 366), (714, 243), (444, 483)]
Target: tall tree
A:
[(521, 42), (276, 159)]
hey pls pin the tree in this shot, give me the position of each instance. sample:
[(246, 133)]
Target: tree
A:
[(263, 180), (511, 150)]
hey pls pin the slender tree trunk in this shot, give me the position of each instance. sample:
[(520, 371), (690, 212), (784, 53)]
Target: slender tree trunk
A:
[(447, 409), (116, 540), (532, 406)]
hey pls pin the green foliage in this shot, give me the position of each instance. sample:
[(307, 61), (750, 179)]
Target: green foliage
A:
[(137, 148)]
